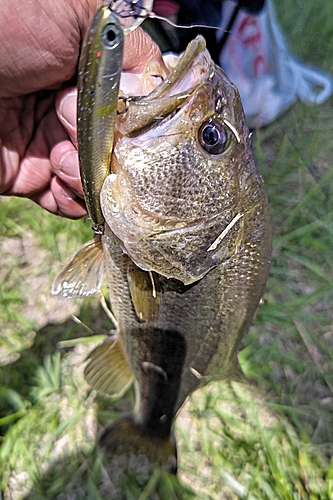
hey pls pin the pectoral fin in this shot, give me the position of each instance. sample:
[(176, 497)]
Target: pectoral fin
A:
[(107, 370), (82, 275), (145, 293)]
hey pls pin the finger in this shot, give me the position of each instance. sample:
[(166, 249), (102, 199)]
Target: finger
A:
[(60, 200), (68, 204), (65, 165), (46, 200), (66, 111), (140, 48)]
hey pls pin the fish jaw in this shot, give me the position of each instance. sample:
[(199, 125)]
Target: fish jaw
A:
[(167, 199)]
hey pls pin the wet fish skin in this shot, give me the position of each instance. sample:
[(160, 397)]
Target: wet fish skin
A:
[(179, 209), (98, 86)]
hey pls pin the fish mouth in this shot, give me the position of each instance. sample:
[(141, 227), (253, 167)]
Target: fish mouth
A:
[(145, 112)]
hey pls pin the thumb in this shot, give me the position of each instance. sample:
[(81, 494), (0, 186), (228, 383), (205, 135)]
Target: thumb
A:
[(138, 50)]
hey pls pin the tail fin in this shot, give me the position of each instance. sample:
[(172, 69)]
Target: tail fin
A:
[(124, 438)]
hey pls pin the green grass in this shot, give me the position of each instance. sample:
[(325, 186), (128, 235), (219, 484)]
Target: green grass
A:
[(271, 439)]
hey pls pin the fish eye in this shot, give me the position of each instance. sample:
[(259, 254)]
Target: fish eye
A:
[(110, 34), (213, 137)]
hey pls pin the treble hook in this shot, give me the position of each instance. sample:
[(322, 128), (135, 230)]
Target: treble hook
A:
[(138, 10)]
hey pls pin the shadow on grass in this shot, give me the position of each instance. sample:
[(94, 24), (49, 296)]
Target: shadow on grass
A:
[(80, 477), (268, 358), (34, 375)]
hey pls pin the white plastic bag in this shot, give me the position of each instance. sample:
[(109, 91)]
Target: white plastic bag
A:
[(269, 79)]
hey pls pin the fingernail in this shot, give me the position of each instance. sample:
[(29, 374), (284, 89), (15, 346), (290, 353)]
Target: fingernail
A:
[(67, 193), (69, 164), (68, 109)]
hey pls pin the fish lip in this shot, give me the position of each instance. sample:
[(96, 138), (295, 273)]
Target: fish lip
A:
[(156, 121), (193, 57), (186, 70)]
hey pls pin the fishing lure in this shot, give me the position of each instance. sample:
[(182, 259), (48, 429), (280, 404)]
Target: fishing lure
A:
[(98, 86)]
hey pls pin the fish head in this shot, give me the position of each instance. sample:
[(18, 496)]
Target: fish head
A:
[(179, 172)]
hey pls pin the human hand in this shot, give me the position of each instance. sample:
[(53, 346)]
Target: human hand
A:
[(39, 50)]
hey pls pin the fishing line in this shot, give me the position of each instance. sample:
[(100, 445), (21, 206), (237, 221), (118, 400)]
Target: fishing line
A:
[(133, 9), (152, 15)]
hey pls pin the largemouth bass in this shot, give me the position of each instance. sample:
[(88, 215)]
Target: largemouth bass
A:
[(187, 244)]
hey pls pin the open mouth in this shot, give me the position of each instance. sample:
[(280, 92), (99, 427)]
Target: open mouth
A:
[(145, 112), (156, 121)]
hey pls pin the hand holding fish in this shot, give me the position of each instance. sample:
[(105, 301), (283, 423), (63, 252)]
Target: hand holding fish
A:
[(39, 49)]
